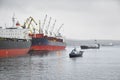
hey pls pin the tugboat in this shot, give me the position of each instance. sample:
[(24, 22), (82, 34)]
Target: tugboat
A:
[(75, 53)]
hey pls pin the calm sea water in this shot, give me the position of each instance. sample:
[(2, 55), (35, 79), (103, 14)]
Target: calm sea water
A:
[(101, 64)]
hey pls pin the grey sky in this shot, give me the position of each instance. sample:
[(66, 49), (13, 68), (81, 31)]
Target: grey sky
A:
[(83, 19)]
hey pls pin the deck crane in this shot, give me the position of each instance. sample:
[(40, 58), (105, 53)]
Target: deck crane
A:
[(31, 19), (46, 31), (40, 29), (25, 23), (51, 31), (43, 25), (58, 31), (44, 22), (28, 23)]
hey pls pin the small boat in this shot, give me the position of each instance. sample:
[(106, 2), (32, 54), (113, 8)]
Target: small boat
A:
[(75, 53), (97, 46)]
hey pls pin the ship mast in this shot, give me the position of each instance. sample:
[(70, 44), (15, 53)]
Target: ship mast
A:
[(13, 20)]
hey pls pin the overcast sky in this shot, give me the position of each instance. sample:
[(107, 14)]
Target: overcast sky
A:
[(83, 19)]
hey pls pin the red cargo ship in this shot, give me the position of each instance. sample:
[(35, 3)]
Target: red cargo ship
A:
[(43, 41)]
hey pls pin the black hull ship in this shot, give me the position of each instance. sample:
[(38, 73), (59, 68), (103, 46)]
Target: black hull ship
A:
[(10, 48), (90, 47)]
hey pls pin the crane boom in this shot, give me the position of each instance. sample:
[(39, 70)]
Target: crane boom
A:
[(31, 19), (28, 23), (59, 28), (40, 29), (51, 31), (53, 26), (47, 27), (49, 23), (58, 34), (44, 22)]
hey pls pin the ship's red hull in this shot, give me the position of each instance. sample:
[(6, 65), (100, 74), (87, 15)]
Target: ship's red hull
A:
[(45, 43), (13, 52), (47, 47)]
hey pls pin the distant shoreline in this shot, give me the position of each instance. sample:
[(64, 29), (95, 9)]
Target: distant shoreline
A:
[(81, 42)]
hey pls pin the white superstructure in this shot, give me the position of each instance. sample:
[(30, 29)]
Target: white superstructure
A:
[(14, 33)]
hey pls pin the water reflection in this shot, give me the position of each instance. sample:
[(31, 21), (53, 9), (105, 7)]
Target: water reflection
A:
[(38, 53)]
